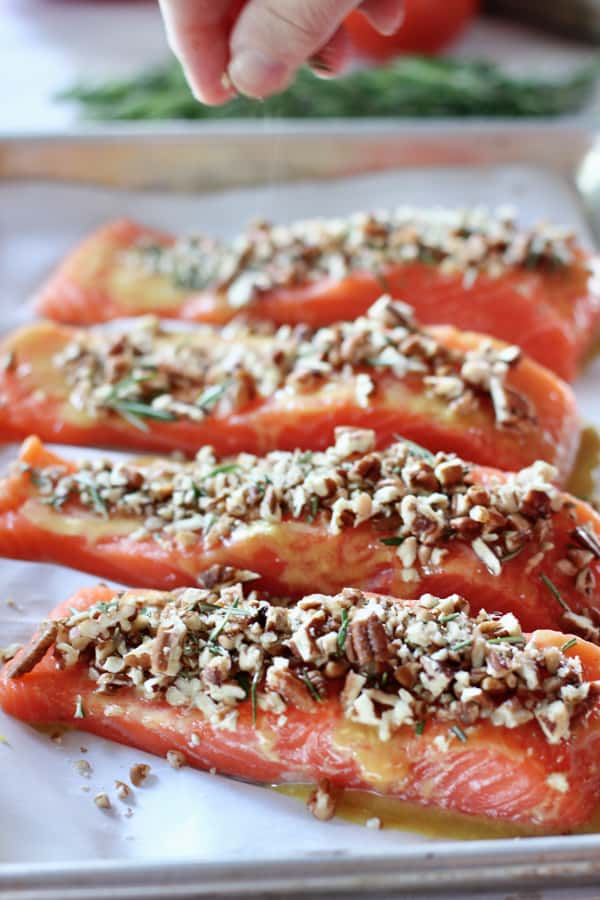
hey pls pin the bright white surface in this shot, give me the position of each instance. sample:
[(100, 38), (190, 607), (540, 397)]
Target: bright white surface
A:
[(46, 45), (183, 814)]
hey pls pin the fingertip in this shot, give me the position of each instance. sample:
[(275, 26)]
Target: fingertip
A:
[(211, 94), (255, 74)]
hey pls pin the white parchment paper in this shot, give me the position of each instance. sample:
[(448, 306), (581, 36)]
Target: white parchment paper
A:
[(187, 814)]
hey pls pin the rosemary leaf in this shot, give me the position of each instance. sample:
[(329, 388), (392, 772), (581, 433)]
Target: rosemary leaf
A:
[(508, 639), (212, 638), (141, 410), (224, 469), (459, 733), (392, 541), (311, 688), (555, 592), (343, 632), (212, 395), (253, 688), (568, 644)]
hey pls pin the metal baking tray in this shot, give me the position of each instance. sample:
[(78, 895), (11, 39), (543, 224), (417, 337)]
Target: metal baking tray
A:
[(232, 155)]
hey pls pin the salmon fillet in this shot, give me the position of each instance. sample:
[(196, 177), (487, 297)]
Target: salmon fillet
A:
[(417, 700), (153, 388), (399, 521), (533, 287)]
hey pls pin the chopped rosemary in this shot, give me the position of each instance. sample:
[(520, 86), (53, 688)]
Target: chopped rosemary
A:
[(253, 689), (136, 410), (105, 605), (461, 645), (211, 395), (508, 639), (219, 470), (212, 638), (420, 728), (568, 644), (449, 618), (234, 610), (122, 386), (555, 592), (343, 632), (79, 710), (459, 733), (311, 688), (85, 481), (313, 506), (416, 449), (512, 555), (392, 541), (243, 679), (306, 457)]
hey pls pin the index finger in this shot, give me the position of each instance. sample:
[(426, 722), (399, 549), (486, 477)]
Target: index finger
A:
[(198, 34)]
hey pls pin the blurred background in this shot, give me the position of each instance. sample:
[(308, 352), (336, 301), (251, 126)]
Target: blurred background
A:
[(65, 62)]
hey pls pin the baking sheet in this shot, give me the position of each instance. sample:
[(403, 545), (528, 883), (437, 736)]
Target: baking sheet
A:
[(185, 814)]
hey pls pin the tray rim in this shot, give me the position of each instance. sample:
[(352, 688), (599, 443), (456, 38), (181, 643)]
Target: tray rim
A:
[(444, 865)]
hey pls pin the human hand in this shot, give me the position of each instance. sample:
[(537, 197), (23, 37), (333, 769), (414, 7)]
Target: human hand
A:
[(256, 46)]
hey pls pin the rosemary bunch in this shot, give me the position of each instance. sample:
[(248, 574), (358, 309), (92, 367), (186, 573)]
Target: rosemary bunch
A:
[(410, 86)]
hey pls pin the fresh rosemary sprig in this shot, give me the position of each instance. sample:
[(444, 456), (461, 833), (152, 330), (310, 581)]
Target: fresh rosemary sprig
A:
[(409, 86)]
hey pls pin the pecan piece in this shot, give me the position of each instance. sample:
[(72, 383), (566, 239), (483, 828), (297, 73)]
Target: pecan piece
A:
[(290, 689), (367, 643), (224, 576), (322, 801), (587, 540), (34, 651), (536, 504)]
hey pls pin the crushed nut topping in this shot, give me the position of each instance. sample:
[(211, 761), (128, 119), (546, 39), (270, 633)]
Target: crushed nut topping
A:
[(392, 663), (123, 790), (102, 801), (420, 503), (138, 774), (265, 257), (176, 759), (322, 801), (151, 372)]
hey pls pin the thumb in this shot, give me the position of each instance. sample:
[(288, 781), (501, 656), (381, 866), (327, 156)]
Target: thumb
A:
[(273, 38)]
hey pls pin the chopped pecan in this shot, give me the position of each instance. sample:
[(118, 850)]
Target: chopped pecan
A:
[(586, 539), (34, 652), (222, 576), (290, 689), (367, 643), (536, 504), (138, 773), (322, 801)]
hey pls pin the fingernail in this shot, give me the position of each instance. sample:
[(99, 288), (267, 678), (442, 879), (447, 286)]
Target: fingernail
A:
[(255, 74), (393, 24)]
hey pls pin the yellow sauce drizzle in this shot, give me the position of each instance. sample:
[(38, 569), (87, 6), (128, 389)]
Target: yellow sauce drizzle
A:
[(359, 806)]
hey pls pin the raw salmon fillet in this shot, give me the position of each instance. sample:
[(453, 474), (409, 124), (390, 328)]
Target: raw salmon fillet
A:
[(237, 388), (415, 700), (530, 286), (399, 521)]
